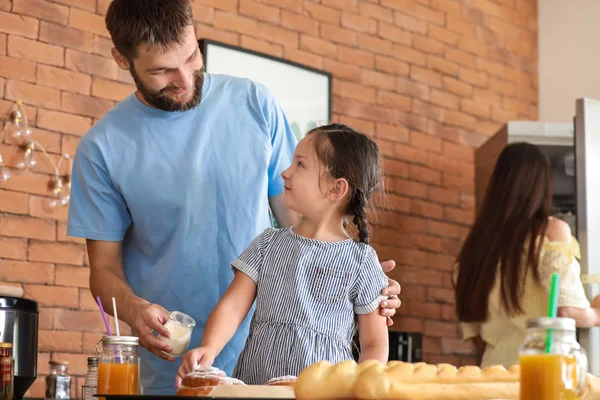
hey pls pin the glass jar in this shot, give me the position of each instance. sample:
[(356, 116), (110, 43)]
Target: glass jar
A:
[(180, 327), (58, 382), (553, 364), (7, 372), (90, 385), (118, 365)]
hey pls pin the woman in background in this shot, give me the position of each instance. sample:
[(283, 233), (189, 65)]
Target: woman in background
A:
[(502, 275)]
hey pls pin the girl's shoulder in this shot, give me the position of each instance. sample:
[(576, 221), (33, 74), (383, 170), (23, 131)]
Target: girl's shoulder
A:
[(272, 231)]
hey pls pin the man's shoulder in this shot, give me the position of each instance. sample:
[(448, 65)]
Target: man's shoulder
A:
[(111, 122), (240, 86)]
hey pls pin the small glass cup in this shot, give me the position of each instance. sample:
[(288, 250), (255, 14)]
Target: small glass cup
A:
[(180, 327)]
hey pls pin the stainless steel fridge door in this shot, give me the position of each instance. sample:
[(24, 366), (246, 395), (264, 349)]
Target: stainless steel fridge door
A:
[(587, 156)]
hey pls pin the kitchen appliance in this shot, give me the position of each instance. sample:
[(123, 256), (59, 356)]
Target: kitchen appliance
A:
[(556, 140), (19, 326), (404, 346)]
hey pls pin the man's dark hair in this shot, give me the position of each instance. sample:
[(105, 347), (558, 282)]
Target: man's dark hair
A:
[(149, 22)]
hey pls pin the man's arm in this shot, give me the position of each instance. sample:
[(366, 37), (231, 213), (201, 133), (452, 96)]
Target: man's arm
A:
[(283, 215), (107, 280)]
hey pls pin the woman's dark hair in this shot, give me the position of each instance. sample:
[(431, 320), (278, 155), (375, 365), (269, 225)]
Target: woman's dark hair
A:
[(353, 156), (149, 22), (514, 213)]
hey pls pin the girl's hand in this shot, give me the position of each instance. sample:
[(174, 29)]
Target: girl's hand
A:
[(204, 356)]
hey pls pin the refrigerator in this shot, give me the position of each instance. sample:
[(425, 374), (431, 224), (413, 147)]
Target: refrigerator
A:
[(571, 147)]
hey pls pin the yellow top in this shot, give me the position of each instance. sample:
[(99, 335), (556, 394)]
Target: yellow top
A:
[(5, 345), (505, 334)]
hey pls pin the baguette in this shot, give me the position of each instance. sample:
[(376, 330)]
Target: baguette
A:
[(405, 381)]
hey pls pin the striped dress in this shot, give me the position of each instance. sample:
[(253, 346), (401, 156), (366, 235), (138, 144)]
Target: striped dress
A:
[(308, 293)]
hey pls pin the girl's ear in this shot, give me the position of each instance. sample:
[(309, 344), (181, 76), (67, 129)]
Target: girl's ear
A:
[(338, 190)]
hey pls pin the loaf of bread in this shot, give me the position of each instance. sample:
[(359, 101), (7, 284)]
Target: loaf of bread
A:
[(203, 380), (406, 381), (288, 380)]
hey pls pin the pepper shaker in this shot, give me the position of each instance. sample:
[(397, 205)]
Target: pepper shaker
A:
[(58, 383)]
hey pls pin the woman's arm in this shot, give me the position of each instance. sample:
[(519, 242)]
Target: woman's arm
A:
[(373, 337), (559, 231), (584, 317)]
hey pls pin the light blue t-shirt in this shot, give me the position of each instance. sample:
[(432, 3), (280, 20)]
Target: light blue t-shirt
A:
[(186, 192)]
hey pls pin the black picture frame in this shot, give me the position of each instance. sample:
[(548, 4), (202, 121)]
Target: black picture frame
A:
[(279, 63)]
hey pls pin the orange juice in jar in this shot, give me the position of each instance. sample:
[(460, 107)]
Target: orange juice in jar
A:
[(119, 365), (553, 365)]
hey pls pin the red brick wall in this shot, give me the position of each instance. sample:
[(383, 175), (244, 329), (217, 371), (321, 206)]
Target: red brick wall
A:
[(429, 79)]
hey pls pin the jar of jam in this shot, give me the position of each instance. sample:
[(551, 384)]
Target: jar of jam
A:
[(7, 371), (119, 365)]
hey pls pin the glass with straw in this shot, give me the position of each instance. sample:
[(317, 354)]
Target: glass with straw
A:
[(553, 364), (118, 362)]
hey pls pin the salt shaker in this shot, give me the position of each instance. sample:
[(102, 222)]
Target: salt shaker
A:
[(90, 385), (58, 383)]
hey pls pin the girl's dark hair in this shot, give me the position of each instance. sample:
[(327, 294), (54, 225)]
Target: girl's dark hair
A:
[(514, 213), (149, 22), (353, 156)]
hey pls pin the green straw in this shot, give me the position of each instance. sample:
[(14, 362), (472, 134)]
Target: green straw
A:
[(552, 306)]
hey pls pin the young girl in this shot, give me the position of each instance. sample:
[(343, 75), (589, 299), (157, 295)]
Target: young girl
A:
[(310, 282)]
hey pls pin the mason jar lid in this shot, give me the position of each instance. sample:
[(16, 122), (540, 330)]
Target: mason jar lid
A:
[(92, 361), (564, 324), (5, 345), (122, 340)]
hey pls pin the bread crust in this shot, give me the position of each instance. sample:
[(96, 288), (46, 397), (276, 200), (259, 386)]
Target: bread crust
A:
[(202, 380), (288, 380), (403, 381)]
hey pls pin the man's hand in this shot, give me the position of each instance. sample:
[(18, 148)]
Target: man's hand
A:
[(388, 307), (204, 356), (146, 317)]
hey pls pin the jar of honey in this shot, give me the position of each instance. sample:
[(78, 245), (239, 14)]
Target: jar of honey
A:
[(118, 365), (7, 372), (553, 364)]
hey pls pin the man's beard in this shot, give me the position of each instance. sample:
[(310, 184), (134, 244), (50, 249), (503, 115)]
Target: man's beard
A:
[(162, 101)]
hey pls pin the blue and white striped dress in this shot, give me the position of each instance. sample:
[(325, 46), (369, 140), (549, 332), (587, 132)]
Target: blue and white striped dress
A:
[(308, 292)]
